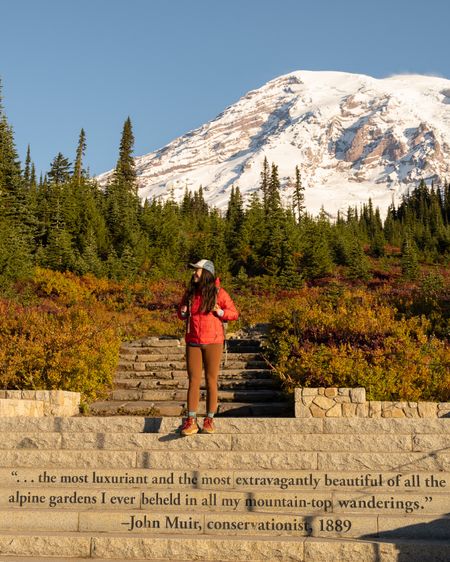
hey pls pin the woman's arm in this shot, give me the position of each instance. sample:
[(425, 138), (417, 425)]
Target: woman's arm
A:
[(182, 310), (227, 306)]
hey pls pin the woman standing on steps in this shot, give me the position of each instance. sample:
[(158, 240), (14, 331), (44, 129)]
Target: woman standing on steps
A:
[(204, 307)]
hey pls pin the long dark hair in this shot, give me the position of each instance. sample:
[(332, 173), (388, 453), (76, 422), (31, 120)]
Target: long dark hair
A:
[(206, 286)]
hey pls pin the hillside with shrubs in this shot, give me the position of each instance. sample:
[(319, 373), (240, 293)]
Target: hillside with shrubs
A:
[(352, 300)]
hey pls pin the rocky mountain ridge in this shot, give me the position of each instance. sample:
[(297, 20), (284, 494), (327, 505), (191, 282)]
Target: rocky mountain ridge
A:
[(352, 136)]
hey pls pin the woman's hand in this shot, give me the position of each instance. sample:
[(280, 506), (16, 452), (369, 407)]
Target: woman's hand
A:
[(218, 310), (183, 309)]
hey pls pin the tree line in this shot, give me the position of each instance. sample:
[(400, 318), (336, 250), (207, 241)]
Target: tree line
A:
[(65, 221)]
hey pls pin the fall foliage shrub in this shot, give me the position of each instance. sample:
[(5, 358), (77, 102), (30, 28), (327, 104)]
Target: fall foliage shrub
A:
[(51, 347), (348, 338), (68, 335)]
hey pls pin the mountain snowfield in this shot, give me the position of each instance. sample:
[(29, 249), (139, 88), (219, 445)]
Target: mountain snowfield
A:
[(352, 136)]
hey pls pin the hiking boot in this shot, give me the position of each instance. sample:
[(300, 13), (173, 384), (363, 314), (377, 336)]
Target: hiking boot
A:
[(189, 427), (208, 425)]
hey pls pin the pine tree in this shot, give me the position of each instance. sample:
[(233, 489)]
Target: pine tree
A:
[(123, 208), (125, 172), (27, 170), (59, 170), (316, 259), (264, 185), (236, 235), (358, 264), (299, 196), (409, 258), (78, 166)]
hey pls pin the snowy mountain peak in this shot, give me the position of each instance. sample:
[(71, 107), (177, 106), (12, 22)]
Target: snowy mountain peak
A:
[(352, 136)]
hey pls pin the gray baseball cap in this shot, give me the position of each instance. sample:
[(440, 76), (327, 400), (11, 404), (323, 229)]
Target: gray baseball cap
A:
[(204, 264)]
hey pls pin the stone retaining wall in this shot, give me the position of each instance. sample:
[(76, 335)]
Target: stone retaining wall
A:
[(36, 403), (352, 403)]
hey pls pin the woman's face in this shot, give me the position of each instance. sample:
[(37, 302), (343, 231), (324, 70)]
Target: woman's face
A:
[(197, 274)]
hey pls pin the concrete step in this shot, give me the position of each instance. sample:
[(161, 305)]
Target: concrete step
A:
[(224, 396)]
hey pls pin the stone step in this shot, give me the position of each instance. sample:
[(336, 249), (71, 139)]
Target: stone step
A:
[(242, 374), (180, 365), (225, 523), (178, 408), (275, 442), (153, 342), (175, 365), (160, 354), (52, 559), (238, 395), (180, 458), (174, 408), (204, 548), (264, 426), (183, 383), (239, 480), (181, 500)]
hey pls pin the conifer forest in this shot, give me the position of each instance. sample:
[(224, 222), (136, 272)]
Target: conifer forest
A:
[(357, 299)]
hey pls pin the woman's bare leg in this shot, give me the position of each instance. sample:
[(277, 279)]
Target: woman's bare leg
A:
[(194, 369), (212, 354)]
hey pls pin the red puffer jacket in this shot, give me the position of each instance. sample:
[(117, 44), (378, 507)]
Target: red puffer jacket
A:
[(207, 327)]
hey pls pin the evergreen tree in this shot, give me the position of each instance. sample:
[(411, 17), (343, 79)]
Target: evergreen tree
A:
[(59, 170), (358, 264), (123, 207), (264, 186), (81, 149), (316, 259), (254, 226), (236, 234), (125, 172), (27, 170), (299, 196), (409, 258)]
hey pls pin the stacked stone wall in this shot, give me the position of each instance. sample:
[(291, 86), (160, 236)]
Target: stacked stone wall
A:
[(351, 403), (36, 403)]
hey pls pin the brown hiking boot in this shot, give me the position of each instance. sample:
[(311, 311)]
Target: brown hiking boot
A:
[(189, 427), (208, 425)]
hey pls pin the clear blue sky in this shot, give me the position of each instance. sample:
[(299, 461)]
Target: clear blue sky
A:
[(172, 65)]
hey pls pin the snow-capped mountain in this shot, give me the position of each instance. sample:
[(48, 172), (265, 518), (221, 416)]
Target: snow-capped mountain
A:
[(352, 136)]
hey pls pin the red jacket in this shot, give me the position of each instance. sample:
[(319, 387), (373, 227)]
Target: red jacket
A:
[(207, 327)]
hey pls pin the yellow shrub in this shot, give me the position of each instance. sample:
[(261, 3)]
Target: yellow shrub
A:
[(356, 340)]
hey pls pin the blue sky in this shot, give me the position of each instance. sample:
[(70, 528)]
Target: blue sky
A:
[(172, 65)]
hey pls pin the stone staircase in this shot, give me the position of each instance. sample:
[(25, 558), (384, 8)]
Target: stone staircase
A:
[(305, 490), (151, 380)]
